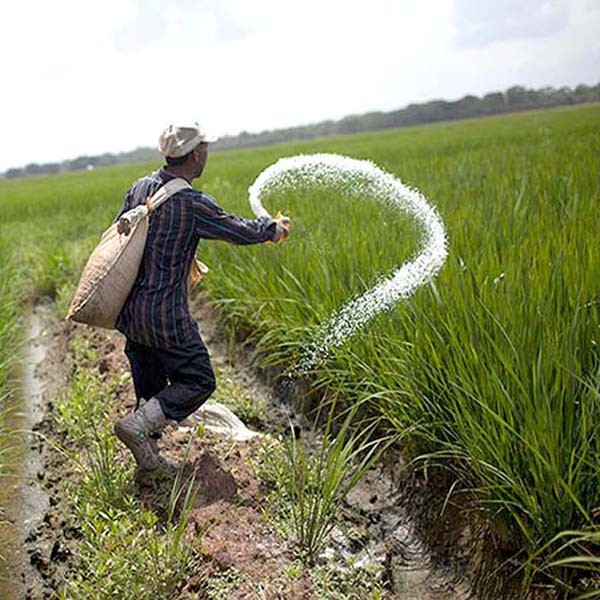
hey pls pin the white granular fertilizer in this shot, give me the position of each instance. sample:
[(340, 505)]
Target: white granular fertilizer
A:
[(359, 179)]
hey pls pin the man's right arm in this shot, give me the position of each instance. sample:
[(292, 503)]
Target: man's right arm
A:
[(213, 223)]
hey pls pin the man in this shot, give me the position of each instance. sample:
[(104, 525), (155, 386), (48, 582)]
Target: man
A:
[(171, 369)]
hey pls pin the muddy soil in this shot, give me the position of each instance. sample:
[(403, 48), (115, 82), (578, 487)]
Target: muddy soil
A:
[(23, 496), (228, 510)]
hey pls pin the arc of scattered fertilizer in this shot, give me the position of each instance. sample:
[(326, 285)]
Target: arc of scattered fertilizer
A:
[(360, 178)]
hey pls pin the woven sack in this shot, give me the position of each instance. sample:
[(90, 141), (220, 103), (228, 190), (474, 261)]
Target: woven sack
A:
[(112, 268)]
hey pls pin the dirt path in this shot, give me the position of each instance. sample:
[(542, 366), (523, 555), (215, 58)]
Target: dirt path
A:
[(239, 538)]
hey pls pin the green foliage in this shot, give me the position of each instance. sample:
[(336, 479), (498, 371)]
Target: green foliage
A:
[(9, 311), (311, 480), (222, 584), (85, 402), (349, 584), (128, 554), (249, 407), (495, 367)]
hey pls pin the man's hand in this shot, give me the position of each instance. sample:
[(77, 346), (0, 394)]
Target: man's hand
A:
[(282, 229)]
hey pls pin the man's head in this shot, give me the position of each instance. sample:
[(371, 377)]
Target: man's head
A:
[(185, 148)]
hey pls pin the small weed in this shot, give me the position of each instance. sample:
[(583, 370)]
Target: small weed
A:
[(82, 408), (221, 585), (349, 584)]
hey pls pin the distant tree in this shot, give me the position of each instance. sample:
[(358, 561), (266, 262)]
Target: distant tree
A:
[(544, 97), (583, 93), (586, 93), (467, 107), (13, 173), (562, 97), (517, 96), (493, 103), (33, 169)]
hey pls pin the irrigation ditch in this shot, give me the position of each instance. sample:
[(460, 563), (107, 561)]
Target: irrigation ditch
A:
[(398, 534), (23, 496)]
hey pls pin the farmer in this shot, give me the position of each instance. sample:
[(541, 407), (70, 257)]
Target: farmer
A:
[(171, 369)]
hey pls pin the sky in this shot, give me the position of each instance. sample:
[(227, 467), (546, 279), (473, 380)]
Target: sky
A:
[(88, 77)]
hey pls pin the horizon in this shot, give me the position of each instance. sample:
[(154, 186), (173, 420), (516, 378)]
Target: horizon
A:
[(300, 125), (100, 86)]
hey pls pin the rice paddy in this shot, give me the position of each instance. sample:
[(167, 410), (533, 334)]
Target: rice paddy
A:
[(494, 364)]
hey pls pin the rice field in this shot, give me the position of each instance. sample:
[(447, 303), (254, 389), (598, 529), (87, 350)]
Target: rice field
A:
[(494, 365)]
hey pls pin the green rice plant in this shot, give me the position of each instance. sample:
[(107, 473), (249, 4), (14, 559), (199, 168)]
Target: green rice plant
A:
[(9, 325), (312, 480), (4, 452), (50, 238), (573, 550), (107, 478), (9, 348)]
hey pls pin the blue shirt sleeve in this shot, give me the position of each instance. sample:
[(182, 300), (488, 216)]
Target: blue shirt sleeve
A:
[(213, 223)]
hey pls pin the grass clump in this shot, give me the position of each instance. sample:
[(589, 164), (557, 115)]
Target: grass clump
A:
[(9, 323), (311, 479), (9, 351)]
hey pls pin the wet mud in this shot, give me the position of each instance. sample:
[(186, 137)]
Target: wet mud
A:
[(23, 496)]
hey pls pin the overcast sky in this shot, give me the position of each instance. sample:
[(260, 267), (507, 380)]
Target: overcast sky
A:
[(82, 77)]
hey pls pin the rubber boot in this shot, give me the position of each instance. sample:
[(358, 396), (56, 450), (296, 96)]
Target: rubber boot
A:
[(135, 430)]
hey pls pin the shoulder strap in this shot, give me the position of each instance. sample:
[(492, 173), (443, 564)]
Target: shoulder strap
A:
[(165, 192), (131, 218)]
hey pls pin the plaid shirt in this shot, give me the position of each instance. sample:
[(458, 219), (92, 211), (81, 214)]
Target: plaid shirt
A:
[(156, 313)]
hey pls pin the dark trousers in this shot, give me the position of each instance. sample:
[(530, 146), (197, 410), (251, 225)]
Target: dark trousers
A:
[(181, 378)]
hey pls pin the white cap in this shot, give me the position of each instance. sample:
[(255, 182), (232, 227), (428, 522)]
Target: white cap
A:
[(178, 141)]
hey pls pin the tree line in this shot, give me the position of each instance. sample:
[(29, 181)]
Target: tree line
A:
[(514, 99)]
